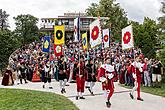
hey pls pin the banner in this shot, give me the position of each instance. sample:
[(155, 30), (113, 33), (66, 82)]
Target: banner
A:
[(95, 33), (59, 35), (127, 38), (84, 41), (106, 38), (46, 44), (57, 50), (76, 29)]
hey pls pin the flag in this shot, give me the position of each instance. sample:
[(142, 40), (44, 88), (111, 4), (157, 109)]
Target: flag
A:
[(106, 38), (95, 33), (59, 34), (127, 37), (84, 41), (76, 29), (57, 50), (46, 44)]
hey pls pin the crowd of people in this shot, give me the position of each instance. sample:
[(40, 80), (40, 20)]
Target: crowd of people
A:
[(84, 68)]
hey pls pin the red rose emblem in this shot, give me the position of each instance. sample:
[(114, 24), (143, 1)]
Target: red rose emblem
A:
[(95, 33), (127, 37), (106, 38)]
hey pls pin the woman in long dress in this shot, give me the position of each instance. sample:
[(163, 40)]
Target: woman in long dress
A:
[(8, 78)]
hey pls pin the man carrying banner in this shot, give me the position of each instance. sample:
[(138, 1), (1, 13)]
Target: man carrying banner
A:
[(80, 78), (107, 73)]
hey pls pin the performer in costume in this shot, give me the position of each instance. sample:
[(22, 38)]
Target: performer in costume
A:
[(91, 78), (62, 74), (80, 79), (22, 72), (136, 73), (107, 73), (7, 78), (47, 77)]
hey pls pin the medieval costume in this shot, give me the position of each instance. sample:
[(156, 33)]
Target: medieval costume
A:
[(47, 77), (22, 72), (91, 77), (62, 75), (107, 73), (7, 78), (80, 79), (136, 73)]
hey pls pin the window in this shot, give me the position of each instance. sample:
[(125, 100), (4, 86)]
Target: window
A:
[(85, 23), (71, 22), (65, 21)]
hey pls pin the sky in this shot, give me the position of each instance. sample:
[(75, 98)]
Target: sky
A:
[(136, 9)]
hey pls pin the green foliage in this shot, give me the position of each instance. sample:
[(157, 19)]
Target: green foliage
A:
[(161, 34), (117, 16), (161, 54), (92, 10), (12, 99), (26, 27), (145, 36), (8, 43)]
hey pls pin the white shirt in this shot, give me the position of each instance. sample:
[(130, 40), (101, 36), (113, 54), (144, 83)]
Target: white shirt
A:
[(46, 69)]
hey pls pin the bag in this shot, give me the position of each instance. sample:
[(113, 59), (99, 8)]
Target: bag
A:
[(51, 72), (38, 73)]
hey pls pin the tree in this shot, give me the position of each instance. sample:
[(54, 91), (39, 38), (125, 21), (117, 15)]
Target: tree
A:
[(8, 44), (145, 36), (161, 24), (3, 20), (26, 27), (161, 34), (117, 16), (92, 10)]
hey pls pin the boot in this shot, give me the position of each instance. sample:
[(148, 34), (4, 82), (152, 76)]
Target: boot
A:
[(108, 104), (131, 96)]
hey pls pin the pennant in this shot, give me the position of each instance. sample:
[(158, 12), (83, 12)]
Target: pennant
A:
[(76, 29), (59, 34), (57, 50), (46, 44), (106, 38), (95, 33), (84, 41), (127, 38)]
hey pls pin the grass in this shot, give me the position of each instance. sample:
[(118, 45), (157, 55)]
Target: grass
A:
[(152, 90), (13, 99)]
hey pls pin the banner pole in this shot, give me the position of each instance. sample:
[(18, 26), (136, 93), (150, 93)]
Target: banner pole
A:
[(79, 39)]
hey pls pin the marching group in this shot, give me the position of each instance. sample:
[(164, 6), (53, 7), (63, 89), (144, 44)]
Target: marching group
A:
[(110, 65)]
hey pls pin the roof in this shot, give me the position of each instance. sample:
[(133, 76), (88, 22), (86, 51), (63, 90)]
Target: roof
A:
[(72, 17)]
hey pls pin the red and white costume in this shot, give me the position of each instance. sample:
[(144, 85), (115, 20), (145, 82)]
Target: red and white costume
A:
[(107, 73), (136, 73), (80, 79)]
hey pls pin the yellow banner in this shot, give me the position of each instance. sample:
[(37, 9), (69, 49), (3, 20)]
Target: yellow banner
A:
[(84, 41), (59, 35)]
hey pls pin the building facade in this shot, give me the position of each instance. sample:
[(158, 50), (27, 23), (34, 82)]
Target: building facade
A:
[(47, 24)]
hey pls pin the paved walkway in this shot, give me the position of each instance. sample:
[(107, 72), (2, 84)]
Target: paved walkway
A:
[(120, 100)]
